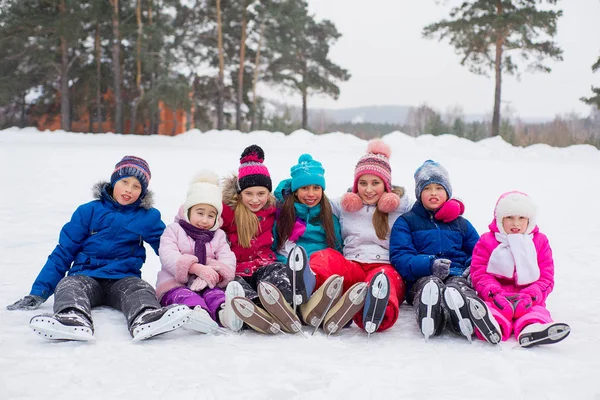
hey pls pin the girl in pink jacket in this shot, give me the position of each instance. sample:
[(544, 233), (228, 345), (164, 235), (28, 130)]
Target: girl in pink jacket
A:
[(197, 262), (513, 270)]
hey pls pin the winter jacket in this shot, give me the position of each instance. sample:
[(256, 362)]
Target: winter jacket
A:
[(103, 239), (177, 255), (417, 239), (487, 284), (259, 253), (308, 231), (361, 243)]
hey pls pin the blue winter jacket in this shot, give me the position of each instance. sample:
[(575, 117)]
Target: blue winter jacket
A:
[(103, 239), (313, 239), (417, 239)]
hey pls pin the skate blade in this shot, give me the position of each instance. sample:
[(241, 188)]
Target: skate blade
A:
[(455, 302), (171, 320), (48, 328)]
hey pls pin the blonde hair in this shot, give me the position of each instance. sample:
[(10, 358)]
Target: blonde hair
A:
[(246, 222), (380, 223)]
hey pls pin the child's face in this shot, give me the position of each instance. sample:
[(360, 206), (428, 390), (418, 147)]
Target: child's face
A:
[(255, 197), (310, 195), (433, 196), (370, 188), (127, 191), (203, 216), (515, 224)]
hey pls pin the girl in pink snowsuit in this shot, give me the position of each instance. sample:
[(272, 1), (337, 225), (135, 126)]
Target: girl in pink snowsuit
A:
[(513, 270)]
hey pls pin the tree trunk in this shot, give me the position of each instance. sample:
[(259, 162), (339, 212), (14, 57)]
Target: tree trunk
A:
[(240, 91), (98, 51), (116, 61), (255, 80), (498, 70), (23, 109), (220, 84), (304, 108), (138, 76), (65, 109)]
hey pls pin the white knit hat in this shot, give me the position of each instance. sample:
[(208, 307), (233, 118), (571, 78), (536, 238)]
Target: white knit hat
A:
[(515, 203), (205, 189)]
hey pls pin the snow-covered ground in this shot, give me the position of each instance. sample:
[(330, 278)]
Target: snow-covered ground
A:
[(45, 176)]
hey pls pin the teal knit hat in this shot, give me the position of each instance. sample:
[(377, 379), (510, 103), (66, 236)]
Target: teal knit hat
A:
[(307, 172)]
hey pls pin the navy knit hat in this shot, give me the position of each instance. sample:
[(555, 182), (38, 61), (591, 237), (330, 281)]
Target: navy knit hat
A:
[(132, 166), (252, 171), (307, 172), (431, 172)]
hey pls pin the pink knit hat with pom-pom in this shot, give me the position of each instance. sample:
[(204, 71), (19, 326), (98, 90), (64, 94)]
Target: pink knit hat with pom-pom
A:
[(252, 171), (375, 162)]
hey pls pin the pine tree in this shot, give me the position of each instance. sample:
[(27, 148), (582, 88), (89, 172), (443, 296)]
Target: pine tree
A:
[(483, 32), (595, 99)]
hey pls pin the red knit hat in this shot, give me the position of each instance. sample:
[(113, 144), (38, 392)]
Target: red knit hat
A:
[(375, 162)]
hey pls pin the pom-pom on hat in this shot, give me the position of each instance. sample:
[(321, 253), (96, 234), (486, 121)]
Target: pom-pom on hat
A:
[(132, 166), (204, 189), (375, 162), (515, 203), (308, 171), (431, 172), (252, 171)]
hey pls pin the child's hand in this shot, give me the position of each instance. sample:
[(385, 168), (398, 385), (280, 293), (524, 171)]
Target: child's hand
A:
[(522, 304), (504, 305), (29, 302), (441, 268), (209, 275), (450, 210), (225, 272), (198, 284)]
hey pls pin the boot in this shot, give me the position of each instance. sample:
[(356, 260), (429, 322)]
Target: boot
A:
[(429, 308), (227, 316), (301, 277), (536, 334), (155, 321), (456, 304), (69, 325), (274, 303), (346, 307), (485, 323), (322, 300), (199, 320), (254, 316), (376, 302)]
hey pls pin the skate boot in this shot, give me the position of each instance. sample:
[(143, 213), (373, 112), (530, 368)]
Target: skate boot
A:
[(301, 276), (199, 320), (376, 302), (69, 325), (346, 307), (155, 321), (429, 309), (254, 316), (227, 316), (274, 303), (313, 312), (481, 316), (458, 309), (536, 334)]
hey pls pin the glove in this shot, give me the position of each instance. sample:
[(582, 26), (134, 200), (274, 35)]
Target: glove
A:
[(501, 303), (197, 284), (441, 268), (297, 231), (206, 273), (522, 304), (29, 302), (226, 273), (450, 210)]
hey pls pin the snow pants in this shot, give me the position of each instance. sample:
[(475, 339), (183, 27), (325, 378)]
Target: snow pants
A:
[(274, 273), (130, 295), (536, 314), (208, 299), (328, 262)]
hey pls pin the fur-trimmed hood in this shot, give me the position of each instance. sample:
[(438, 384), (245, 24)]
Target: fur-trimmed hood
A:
[(229, 186), (515, 203), (147, 202)]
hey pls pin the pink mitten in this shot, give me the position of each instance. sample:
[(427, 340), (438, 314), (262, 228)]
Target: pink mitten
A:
[(522, 304), (209, 275), (501, 303), (198, 284), (450, 210), (297, 231), (226, 272)]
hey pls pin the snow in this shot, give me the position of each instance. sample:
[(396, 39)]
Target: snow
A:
[(46, 175)]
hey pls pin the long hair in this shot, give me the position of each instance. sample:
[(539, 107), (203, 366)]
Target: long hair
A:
[(287, 219), (246, 222), (380, 223)]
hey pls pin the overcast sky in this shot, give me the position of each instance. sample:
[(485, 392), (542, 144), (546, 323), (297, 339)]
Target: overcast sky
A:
[(391, 64)]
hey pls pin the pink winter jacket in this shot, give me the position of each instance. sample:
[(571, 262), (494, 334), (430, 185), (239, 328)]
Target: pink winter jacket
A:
[(177, 256), (488, 285)]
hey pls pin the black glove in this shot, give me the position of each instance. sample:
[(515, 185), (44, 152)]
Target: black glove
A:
[(441, 268), (29, 302)]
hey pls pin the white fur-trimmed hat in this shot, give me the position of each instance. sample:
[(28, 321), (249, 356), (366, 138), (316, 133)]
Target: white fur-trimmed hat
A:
[(515, 203), (205, 189)]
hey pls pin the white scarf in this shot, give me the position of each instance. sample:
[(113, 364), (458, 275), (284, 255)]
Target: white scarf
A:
[(516, 252)]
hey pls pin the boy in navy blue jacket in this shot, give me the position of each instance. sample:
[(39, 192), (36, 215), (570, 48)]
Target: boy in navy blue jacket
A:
[(431, 248), (101, 250)]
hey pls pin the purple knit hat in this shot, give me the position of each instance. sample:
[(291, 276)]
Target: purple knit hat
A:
[(252, 171), (132, 166)]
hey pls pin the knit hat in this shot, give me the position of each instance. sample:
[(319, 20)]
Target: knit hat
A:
[(132, 166), (204, 189), (375, 162), (431, 172), (515, 203), (252, 171), (307, 172)]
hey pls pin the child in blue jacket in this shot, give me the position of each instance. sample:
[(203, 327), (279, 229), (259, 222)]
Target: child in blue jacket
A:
[(101, 250), (431, 247)]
